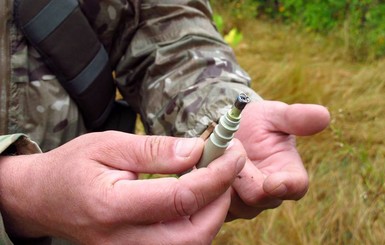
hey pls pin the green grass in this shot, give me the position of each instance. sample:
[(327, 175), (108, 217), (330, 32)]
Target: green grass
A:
[(346, 163)]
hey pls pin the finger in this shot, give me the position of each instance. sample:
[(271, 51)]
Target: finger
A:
[(148, 154), (200, 228), (249, 186), (154, 200), (301, 119), (290, 183), (238, 209), (296, 119), (214, 214), (204, 224), (286, 177)]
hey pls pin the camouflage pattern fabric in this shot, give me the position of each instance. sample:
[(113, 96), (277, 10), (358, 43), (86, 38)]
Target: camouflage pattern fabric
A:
[(188, 75), (4, 239), (171, 66), (22, 145)]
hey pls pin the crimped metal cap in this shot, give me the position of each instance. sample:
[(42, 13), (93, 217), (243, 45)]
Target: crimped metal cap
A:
[(241, 101)]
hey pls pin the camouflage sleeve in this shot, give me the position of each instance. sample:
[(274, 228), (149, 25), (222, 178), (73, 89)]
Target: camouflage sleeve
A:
[(177, 71), (17, 144), (4, 239)]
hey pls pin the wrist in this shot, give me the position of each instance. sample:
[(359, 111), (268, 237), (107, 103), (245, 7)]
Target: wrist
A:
[(18, 195)]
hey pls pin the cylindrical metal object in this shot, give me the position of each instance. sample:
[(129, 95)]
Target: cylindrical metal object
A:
[(224, 132)]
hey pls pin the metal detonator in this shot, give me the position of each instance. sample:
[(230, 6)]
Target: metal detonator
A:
[(224, 132)]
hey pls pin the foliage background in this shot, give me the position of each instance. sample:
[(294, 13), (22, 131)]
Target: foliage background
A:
[(359, 24), (293, 61)]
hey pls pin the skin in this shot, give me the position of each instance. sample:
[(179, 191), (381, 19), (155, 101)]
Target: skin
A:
[(102, 202), (274, 171), (87, 191)]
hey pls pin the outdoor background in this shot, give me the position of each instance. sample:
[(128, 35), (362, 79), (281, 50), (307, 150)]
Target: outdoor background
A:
[(328, 52)]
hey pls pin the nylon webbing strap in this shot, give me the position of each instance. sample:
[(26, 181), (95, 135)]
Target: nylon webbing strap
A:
[(83, 80), (62, 34), (54, 13)]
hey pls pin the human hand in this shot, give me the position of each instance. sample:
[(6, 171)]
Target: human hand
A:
[(87, 191), (274, 170)]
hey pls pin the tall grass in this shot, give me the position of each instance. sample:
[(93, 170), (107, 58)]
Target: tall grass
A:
[(346, 163)]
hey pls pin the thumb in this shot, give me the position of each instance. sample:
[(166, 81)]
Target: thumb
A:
[(296, 119)]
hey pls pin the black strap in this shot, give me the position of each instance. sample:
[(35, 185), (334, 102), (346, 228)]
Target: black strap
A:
[(61, 33), (48, 19), (121, 118)]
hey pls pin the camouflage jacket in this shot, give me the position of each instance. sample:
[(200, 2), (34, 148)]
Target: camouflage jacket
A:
[(170, 64)]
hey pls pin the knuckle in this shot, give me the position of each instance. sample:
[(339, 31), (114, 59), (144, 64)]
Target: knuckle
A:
[(185, 201), (250, 198), (302, 188), (153, 147), (256, 200)]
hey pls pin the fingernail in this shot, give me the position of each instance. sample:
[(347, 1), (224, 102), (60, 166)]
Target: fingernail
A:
[(279, 191), (184, 147), (241, 163), (231, 143)]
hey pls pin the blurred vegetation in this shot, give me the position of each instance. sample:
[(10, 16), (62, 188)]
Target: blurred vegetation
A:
[(359, 24), (233, 37), (346, 163)]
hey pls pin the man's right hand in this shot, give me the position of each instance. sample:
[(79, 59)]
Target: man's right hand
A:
[(87, 191)]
